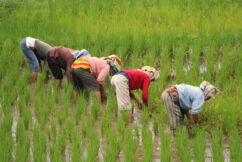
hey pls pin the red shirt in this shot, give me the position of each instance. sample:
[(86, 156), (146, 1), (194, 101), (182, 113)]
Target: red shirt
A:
[(139, 79)]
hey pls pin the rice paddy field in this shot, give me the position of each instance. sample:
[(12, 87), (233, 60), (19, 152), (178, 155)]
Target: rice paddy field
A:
[(187, 41)]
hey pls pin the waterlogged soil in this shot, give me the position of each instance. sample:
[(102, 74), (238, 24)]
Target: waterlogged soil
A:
[(100, 157)]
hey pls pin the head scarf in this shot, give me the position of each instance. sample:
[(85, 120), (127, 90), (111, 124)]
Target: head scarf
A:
[(114, 62), (152, 72), (81, 53), (208, 89)]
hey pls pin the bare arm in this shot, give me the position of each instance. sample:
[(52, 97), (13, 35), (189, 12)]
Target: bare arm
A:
[(190, 122), (136, 99)]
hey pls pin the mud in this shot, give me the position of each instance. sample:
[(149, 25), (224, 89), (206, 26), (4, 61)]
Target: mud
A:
[(67, 155), (13, 130)]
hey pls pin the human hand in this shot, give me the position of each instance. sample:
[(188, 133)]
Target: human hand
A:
[(190, 123), (140, 106)]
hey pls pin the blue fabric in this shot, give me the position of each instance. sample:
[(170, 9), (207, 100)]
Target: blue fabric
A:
[(80, 54), (190, 97), (31, 58), (124, 74)]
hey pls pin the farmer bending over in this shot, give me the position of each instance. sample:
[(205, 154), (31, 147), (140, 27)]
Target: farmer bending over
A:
[(35, 51), (178, 99), (60, 58), (90, 72), (127, 80)]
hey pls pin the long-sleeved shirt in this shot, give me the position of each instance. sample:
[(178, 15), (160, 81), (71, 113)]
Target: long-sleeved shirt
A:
[(139, 79), (100, 68), (41, 50), (60, 57), (190, 97)]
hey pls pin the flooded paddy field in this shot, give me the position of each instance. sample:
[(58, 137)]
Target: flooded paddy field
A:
[(186, 41)]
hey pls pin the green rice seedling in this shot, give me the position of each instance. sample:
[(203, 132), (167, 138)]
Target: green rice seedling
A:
[(181, 142), (23, 143), (147, 152), (217, 145), (121, 124), (210, 63), (198, 144), (106, 121), (113, 148), (113, 43), (53, 130), (179, 61), (39, 145), (130, 146), (76, 150), (127, 45), (5, 133), (95, 109), (155, 125), (145, 117), (194, 55), (93, 145), (136, 130), (99, 44), (235, 148), (69, 128), (165, 145), (58, 147)]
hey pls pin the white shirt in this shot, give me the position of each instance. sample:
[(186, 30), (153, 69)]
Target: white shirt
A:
[(30, 42)]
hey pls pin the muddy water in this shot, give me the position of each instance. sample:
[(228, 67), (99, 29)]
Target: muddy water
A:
[(226, 150), (208, 149), (13, 130), (101, 150), (67, 155)]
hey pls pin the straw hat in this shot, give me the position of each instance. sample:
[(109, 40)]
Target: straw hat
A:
[(152, 72)]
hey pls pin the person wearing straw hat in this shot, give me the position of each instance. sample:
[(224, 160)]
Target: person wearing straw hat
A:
[(179, 99), (90, 73), (35, 50), (126, 81)]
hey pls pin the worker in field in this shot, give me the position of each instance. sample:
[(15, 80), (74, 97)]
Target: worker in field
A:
[(125, 81), (35, 51), (62, 58), (179, 99), (90, 72)]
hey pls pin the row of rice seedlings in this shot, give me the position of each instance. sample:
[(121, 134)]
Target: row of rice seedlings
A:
[(147, 153), (23, 142), (57, 148), (165, 139), (7, 143), (95, 107), (93, 144), (113, 146), (198, 144), (81, 108), (194, 55), (130, 146), (235, 148), (217, 145), (181, 141), (76, 147), (209, 75), (25, 113), (106, 121), (40, 144), (179, 61)]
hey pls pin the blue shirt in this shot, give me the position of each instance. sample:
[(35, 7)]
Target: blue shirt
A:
[(190, 97)]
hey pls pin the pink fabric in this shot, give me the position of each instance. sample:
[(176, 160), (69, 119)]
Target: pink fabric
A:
[(100, 68)]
